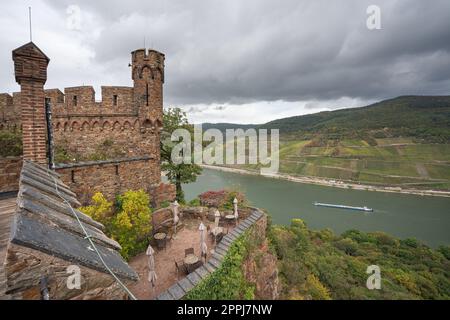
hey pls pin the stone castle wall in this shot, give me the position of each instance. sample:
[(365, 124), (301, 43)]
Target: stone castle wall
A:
[(126, 124), (115, 177), (9, 173)]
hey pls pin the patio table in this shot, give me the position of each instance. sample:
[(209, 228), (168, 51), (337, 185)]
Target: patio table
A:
[(217, 231), (160, 238), (190, 262), (190, 259), (230, 218)]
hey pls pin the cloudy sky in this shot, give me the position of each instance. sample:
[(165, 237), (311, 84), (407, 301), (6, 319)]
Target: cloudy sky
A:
[(241, 61)]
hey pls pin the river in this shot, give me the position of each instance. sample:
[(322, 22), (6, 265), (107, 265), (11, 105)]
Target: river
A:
[(422, 217)]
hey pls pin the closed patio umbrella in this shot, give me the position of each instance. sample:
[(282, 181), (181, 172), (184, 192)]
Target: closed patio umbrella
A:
[(216, 219), (235, 205), (175, 206), (203, 246), (151, 266)]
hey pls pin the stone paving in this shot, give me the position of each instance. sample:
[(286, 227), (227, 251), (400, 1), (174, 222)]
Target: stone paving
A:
[(179, 289)]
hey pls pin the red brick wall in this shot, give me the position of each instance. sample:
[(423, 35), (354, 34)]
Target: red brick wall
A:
[(34, 124), (9, 173), (30, 69)]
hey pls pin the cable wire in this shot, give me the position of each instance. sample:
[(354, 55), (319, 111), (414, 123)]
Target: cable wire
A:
[(88, 237)]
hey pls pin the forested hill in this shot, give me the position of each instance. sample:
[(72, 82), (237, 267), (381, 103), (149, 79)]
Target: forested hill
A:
[(422, 117), (223, 126)]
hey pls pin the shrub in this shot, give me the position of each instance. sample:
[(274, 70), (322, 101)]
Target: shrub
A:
[(164, 204), (383, 239), (410, 242), (358, 236), (222, 199), (317, 290), (347, 245), (10, 143), (131, 225), (195, 202), (213, 198), (445, 250), (100, 210)]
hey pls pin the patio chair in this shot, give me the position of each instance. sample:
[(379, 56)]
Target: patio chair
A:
[(195, 266), (180, 266), (221, 235), (198, 264), (188, 251), (219, 238), (161, 244)]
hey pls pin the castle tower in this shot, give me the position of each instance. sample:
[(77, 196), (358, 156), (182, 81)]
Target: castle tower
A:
[(30, 68), (148, 78)]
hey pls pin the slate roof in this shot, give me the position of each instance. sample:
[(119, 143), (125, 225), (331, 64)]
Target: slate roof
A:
[(43, 221)]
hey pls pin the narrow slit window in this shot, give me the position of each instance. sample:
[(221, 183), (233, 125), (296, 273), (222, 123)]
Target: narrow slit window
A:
[(75, 100), (115, 99)]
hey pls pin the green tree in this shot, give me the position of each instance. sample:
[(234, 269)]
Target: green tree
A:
[(178, 174)]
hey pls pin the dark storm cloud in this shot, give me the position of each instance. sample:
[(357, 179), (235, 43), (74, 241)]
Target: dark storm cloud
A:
[(249, 51)]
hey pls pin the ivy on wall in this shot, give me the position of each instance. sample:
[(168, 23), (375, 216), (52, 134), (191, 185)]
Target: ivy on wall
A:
[(228, 281)]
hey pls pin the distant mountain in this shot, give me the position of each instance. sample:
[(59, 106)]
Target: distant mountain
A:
[(421, 117), (223, 126)]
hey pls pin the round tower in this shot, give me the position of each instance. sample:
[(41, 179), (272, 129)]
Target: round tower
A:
[(147, 72)]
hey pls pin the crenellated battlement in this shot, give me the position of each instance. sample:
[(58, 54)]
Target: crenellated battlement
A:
[(142, 100), (81, 100), (147, 66), (130, 116)]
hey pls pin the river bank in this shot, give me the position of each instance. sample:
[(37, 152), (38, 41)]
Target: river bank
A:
[(333, 183)]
